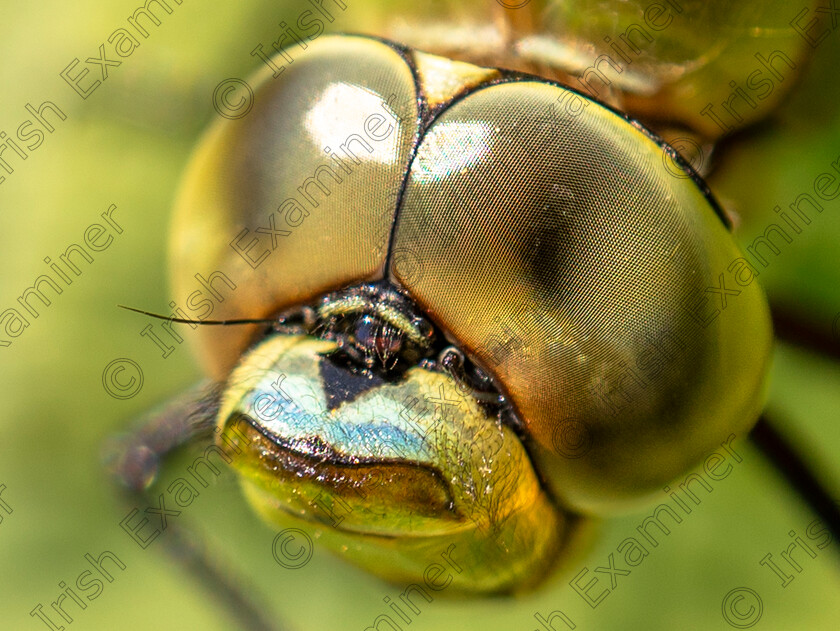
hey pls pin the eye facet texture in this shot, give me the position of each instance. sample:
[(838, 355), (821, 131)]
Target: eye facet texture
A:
[(559, 247), (265, 203), (568, 255)]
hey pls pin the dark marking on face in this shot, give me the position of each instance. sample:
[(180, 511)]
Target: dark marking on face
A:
[(343, 385)]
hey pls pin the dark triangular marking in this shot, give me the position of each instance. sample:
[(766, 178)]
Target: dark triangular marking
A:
[(342, 385)]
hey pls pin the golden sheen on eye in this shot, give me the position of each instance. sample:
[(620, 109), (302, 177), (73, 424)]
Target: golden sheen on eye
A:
[(492, 317)]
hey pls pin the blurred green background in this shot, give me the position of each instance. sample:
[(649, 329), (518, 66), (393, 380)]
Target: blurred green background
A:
[(127, 144)]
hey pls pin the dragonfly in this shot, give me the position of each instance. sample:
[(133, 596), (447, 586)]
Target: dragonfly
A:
[(648, 67)]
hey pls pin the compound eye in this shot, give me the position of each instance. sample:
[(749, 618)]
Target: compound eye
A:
[(576, 263), (297, 198)]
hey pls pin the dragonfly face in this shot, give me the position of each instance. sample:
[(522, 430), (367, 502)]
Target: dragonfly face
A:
[(434, 236), (497, 308)]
